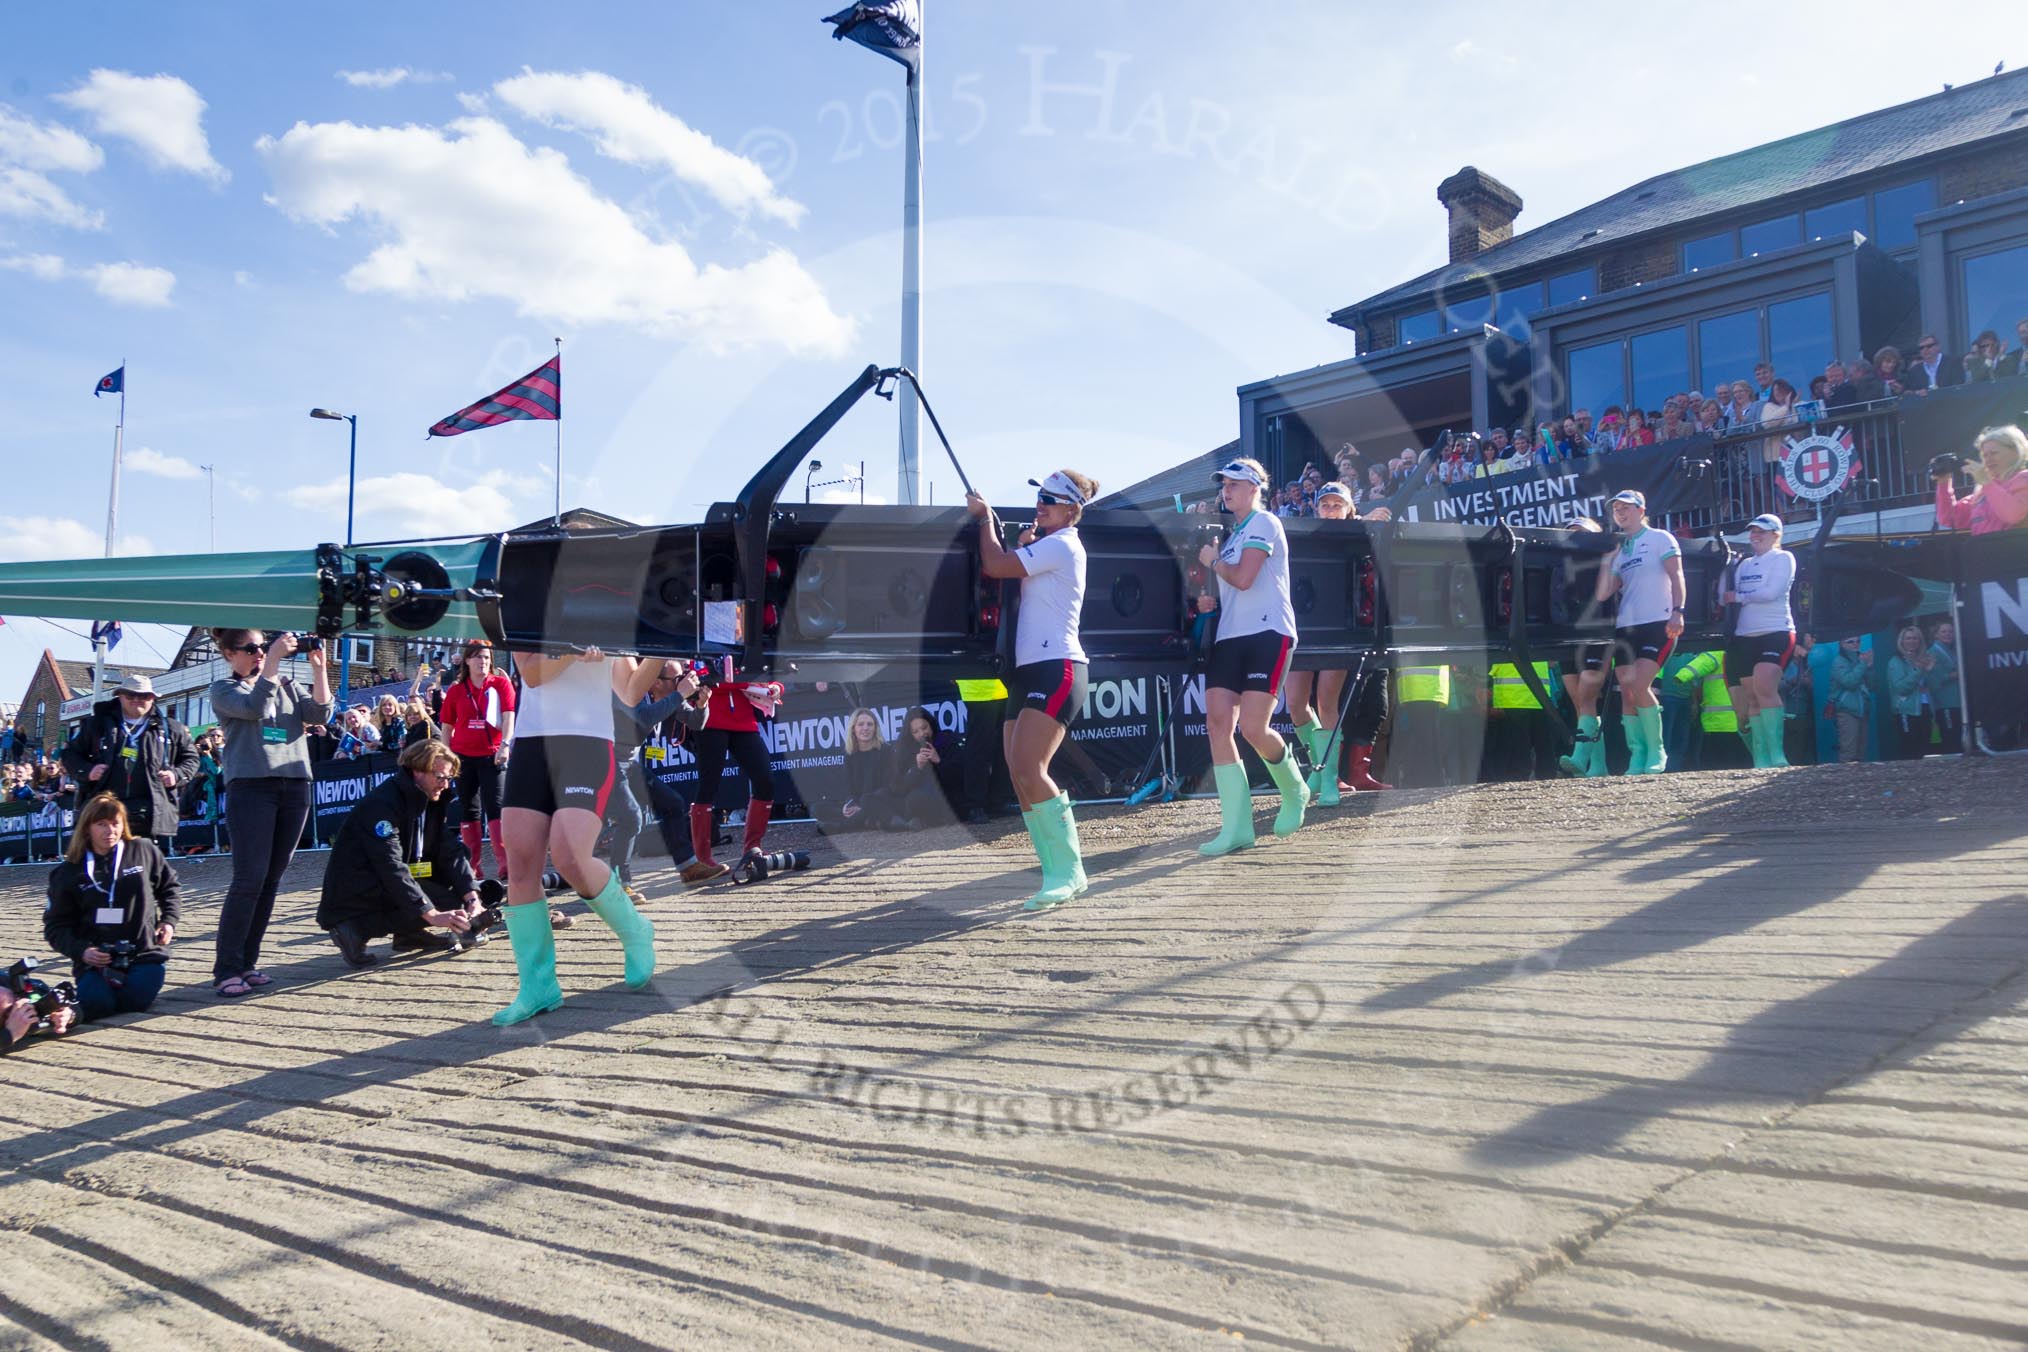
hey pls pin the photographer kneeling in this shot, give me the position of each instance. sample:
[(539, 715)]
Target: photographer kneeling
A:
[(397, 865), (112, 911)]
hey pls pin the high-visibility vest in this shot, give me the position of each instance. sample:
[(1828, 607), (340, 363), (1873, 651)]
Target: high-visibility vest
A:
[(1510, 691), (981, 692), (1425, 685), (1716, 713)]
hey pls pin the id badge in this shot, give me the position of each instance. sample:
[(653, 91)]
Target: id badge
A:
[(130, 753), (421, 870), (109, 915), (654, 753), (274, 736)]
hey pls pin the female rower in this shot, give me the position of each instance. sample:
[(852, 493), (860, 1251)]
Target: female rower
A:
[(558, 784), (1047, 689), (1647, 573), (1763, 639), (1256, 638), (1584, 686)]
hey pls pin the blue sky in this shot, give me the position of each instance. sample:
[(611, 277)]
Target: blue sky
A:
[(1132, 209)]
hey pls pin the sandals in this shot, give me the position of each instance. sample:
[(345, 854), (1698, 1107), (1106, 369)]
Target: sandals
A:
[(257, 978), (233, 987)]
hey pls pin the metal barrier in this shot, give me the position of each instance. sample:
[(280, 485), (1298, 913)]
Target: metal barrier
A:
[(1746, 479)]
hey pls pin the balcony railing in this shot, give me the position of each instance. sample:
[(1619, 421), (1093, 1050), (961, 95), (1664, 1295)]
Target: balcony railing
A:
[(1744, 469)]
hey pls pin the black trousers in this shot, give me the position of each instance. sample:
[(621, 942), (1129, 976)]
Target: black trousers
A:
[(478, 789), (266, 819), (985, 757), (713, 745), (375, 914)]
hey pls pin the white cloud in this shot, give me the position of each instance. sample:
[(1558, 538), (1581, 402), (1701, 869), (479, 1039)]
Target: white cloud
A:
[(390, 77), (45, 145), (123, 283), (131, 283), (418, 502), (47, 267), (60, 537), (160, 114), (144, 460), (475, 104), (241, 277), (627, 125), (473, 212), (25, 193)]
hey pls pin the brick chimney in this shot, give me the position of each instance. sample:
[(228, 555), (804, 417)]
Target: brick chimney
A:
[(1482, 211)]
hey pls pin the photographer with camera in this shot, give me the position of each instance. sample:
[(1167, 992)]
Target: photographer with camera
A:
[(112, 911), (398, 865), (128, 747), (30, 1005), (2000, 500), (267, 776), (636, 794)]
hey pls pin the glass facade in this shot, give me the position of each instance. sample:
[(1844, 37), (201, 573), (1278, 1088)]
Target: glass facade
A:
[(1895, 210), (1800, 338), (1661, 365), (1710, 251), (1728, 347), (1597, 376), (1767, 236), (1996, 295), (1835, 218), (1417, 328), (1569, 286)]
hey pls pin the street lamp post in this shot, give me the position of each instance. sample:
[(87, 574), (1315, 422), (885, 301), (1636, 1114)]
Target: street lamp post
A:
[(351, 488), (815, 465)]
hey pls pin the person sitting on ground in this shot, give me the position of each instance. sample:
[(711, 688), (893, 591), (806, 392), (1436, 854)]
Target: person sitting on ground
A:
[(927, 773), (398, 866), (867, 771), (2000, 502), (112, 911)]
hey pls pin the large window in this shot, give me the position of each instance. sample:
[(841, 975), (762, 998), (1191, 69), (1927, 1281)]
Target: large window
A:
[(1517, 303), (1661, 365), (1710, 251), (1835, 219), (1767, 236), (1728, 347), (1598, 376), (1569, 286), (1800, 339), (1895, 210), (1417, 328), (1996, 295)]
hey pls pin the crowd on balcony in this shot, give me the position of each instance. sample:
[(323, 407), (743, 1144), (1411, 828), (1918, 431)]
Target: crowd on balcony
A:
[(1750, 413)]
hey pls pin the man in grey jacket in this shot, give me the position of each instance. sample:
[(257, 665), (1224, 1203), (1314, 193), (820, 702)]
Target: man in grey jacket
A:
[(129, 748)]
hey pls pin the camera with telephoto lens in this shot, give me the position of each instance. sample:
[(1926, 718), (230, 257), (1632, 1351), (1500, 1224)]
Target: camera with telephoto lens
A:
[(758, 864), (1950, 462), (44, 998), (492, 896)]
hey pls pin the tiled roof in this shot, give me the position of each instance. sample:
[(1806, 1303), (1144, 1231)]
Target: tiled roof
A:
[(1879, 140), (1192, 479), (77, 676)]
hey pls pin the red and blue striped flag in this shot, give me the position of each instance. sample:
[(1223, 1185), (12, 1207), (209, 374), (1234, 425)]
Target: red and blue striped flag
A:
[(539, 395)]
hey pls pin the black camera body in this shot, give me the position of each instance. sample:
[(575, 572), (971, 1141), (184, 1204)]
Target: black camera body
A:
[(1950, 462), (44, 998), (122, 953), (492, 896), (759, 864)]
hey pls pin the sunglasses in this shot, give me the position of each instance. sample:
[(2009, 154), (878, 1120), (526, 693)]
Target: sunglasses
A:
[(254, 648), (1051, 500)]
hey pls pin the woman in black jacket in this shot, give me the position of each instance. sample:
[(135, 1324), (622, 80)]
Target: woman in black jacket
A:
[(927, 772), (112, 911)]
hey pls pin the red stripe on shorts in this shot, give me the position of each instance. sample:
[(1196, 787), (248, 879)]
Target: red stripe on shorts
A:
[(606, 789), (1281, 666), (1056, 701)]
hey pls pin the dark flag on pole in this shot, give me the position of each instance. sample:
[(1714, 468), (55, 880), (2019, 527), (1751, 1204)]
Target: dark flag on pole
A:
[(538, 395), (891, 27), (109, 631), (113, 382)]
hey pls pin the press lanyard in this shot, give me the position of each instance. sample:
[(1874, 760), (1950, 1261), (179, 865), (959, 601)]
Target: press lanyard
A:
[(112, 879), (420, 819)]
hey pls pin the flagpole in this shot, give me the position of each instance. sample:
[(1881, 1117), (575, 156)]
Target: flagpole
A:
[(112, 525), (556, 518), (909, 490)]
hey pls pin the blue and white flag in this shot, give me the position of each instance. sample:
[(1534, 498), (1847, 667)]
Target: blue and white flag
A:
[(109, 631), (891, 27), (112, 382)]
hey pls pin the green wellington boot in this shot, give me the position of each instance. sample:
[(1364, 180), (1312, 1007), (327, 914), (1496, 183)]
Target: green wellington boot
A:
[(1637, 744), (1749, 732), (1774, 727), (535, 955), (1063, 869), (636, 931), (1295, 794), (1235, 811), (1586, 749), (1324, 781), (1651, 736)]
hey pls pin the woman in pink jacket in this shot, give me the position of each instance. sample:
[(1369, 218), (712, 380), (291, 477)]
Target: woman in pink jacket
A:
[(2000, 502)]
